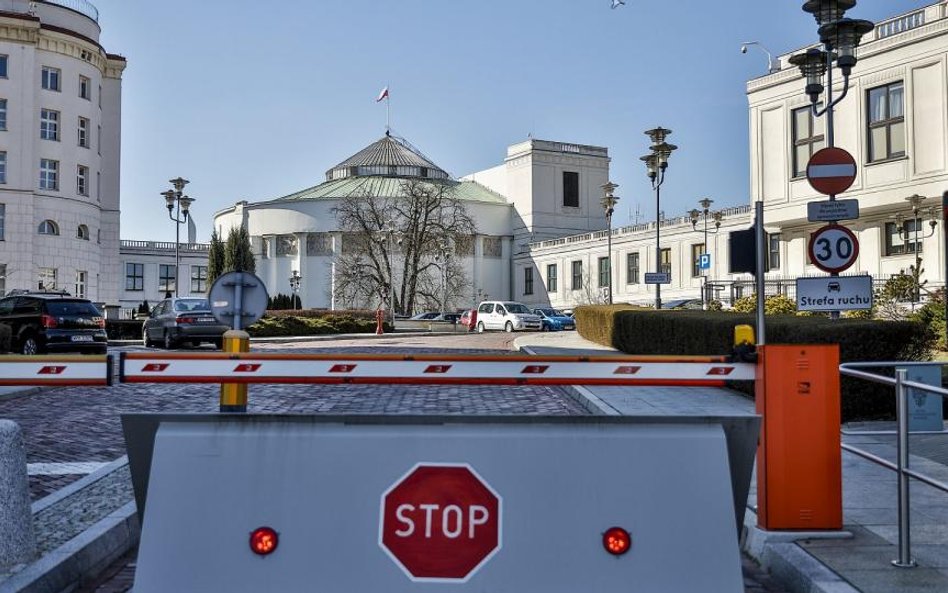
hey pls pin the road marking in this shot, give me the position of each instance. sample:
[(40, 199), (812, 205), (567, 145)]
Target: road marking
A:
[(63, 469)]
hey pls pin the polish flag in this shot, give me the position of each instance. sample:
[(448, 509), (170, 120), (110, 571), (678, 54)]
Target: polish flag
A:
[(382, 95)]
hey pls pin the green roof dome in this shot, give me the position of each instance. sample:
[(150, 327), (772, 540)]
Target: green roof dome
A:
[(387, 157)]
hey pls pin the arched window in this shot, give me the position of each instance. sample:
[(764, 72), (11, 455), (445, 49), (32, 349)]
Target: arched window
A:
[(48, 227), (82, 232)]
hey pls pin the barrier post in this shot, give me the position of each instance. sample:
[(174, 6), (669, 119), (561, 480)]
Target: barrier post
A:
[(379, 321), (905, 544), (234, 395), (799, 462)]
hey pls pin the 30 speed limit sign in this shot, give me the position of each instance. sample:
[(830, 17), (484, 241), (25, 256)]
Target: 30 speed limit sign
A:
[(833, 248)]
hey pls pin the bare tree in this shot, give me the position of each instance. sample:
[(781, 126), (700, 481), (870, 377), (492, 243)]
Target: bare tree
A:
[(407, 241)]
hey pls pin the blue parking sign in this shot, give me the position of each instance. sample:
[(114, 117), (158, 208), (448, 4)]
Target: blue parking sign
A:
[(704, 261)]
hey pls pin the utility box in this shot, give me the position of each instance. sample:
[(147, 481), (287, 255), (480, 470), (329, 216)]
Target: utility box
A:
[(799, 460)]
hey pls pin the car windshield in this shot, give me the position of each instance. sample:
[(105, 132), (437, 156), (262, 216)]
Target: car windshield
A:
[(516, 308), (549, 312), (191, 305), (66, 308)]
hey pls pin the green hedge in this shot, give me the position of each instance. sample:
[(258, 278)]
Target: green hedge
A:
[(284, 325), (124, 329), (700, 332), (5, 335)]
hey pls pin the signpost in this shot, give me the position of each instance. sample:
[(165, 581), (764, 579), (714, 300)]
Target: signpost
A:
[(834, 293), (833, 248), (831, 171), (832, 210), (657, 278), (704, 261), (440, 522)]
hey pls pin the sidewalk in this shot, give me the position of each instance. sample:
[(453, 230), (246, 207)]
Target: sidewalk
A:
[(858, 560)]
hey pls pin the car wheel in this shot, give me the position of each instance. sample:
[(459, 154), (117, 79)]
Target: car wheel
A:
[(480, 327), (545, 328), (146, 341), (30, 346), (508, 327), (170, 342)]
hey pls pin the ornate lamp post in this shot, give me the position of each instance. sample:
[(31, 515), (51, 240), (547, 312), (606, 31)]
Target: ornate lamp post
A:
[(443, 258), (608, 202), (391, 230), (178, 207), (915, 201), (295, 280), (656, 162), (716, 219)]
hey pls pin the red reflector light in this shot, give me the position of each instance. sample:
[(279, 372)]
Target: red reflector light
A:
[(187, 319), (264, 540), (616, 541), (48, 321)]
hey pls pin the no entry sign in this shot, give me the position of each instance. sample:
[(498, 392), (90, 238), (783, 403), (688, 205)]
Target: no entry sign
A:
[(440, 522), (831, 171)]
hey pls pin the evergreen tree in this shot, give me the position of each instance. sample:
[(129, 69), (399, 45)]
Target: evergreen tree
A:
[(238, 256), (215, 258)]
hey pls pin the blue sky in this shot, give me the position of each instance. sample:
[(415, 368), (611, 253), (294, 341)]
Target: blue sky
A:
[(254, 100)]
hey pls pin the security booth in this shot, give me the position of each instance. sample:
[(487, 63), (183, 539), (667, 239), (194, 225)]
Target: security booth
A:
[(243, 502)]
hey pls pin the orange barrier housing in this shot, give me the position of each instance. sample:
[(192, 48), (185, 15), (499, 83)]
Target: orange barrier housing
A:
[(799, 460)]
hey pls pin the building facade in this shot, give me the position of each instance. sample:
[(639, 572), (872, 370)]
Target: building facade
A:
[(60, 140), (147, 273)]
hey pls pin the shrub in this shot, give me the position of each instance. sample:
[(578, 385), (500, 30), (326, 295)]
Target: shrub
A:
[(5, 335), (311, 325), (932, 316), (776, 304)]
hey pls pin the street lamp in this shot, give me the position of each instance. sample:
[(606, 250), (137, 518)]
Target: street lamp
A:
[(178, 207), (390, 229), (915, 201), (655, 163), (443, 258), (295, 280), (716, 219), (608, 202)]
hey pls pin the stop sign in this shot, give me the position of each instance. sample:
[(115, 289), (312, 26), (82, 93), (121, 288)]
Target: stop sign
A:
[(440, 522)]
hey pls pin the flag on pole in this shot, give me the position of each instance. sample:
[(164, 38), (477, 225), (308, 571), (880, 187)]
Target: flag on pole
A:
[(382, 95)]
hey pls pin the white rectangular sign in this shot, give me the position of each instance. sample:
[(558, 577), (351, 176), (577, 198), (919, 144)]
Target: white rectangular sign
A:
[(658, 278), (832, 210), (839, 293)]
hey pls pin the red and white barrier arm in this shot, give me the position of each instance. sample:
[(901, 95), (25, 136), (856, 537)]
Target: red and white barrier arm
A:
[(42, 371), (429, 369)]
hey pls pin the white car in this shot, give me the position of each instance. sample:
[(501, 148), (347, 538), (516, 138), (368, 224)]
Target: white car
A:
[(508, 316)]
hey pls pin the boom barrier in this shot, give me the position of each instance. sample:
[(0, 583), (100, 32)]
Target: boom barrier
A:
[(41, 371)]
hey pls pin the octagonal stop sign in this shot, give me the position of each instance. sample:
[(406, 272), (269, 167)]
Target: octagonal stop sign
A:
[(440, 522)]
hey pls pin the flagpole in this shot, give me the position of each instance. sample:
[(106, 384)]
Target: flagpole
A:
[(388, 110)]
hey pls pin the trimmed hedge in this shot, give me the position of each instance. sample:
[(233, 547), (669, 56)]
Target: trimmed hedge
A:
[(700, 332), (5, 335), (311, 325)]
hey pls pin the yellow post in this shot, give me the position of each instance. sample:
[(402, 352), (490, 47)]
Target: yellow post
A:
[(234, 395)]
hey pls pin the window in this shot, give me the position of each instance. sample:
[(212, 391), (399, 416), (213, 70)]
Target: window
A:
[(774, 250), (697, 250), (51, 78), (886, 122), (528, 281), (166, 278), (48, 227), (83, 132), (604, 271), (135, 277), (81, 283), (100, 96), (47, 279), (896, 244), (99, 141), (198, 279), (85, 88), (577, 269), (807, 138), (550, 277), (98, 185), (3, 216), (3, 70), (3, 114), (49, 124), (82, 232), (3, 166), (49, 174), (666, 257), (3, 279), (493, 247), (571, 189), (632, 268), (82, 180)]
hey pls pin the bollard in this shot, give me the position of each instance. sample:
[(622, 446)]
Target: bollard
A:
[(234, 395), (379, 321), (18, 542)]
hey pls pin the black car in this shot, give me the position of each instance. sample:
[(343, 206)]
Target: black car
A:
[(53, 322), (178, 320)]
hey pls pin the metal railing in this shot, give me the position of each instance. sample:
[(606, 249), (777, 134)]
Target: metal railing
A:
[(81, 6), (902, 385)]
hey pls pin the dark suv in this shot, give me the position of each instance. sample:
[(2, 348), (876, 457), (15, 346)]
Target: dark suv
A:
[(53, 322)]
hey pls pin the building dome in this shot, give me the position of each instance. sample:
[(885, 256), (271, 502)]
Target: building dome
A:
[(387, 157)]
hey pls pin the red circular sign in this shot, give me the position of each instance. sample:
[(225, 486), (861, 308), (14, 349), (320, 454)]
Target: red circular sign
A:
[(831, 171), (833, 248), (440, 522)]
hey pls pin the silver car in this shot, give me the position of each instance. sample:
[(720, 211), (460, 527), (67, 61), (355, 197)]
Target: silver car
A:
[(183, 320)]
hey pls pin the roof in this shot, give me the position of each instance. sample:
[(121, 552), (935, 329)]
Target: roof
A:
[(387, 156), (376, 186)]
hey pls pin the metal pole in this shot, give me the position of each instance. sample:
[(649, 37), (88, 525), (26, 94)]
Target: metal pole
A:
[(704, 285), (177, 242), (905, 545), (759, 230), (609, 256), (391, 273), (658, 244), (944, 229)]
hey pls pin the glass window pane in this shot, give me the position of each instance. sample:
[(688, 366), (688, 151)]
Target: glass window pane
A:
[(877, 147), (896, 97), (801, 123), (802, 156), (877, 104), (897, 134), (817, 126)]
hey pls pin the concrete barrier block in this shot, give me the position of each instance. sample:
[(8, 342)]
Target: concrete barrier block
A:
[(18, 543)]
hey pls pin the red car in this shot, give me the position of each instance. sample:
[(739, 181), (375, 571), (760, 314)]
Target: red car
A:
[(469, 319)]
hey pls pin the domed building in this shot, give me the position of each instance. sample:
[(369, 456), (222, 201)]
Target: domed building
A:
[(543, 190)]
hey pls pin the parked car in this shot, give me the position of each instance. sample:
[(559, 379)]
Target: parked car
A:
[(469, 319), (554, 320), (427, 316), (449, 317), (175, 321), (506, 315), (53, 322), (683, 304)]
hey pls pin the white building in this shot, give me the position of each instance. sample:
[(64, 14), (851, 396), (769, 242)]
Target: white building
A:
[(60, 129), (148, 272)]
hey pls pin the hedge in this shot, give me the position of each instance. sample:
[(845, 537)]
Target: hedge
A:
[(5, 335), (311, 325), (701, 332)]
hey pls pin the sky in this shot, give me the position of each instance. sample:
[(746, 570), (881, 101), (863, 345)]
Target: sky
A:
[(253, 100)]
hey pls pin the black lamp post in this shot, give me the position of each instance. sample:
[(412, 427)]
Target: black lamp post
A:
[(295, 280), (656, 162), (608, 202), (178, 207), (716, 220), (915, 201)]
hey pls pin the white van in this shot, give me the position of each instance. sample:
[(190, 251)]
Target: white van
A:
[(506, 315)]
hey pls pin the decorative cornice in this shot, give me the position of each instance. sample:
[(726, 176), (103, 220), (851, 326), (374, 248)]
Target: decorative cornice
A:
[(28, 30)]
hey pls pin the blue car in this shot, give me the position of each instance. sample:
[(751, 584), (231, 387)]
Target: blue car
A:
[(554, 320)]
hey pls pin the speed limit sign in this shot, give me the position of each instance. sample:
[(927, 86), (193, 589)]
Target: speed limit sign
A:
[(833, 248)]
